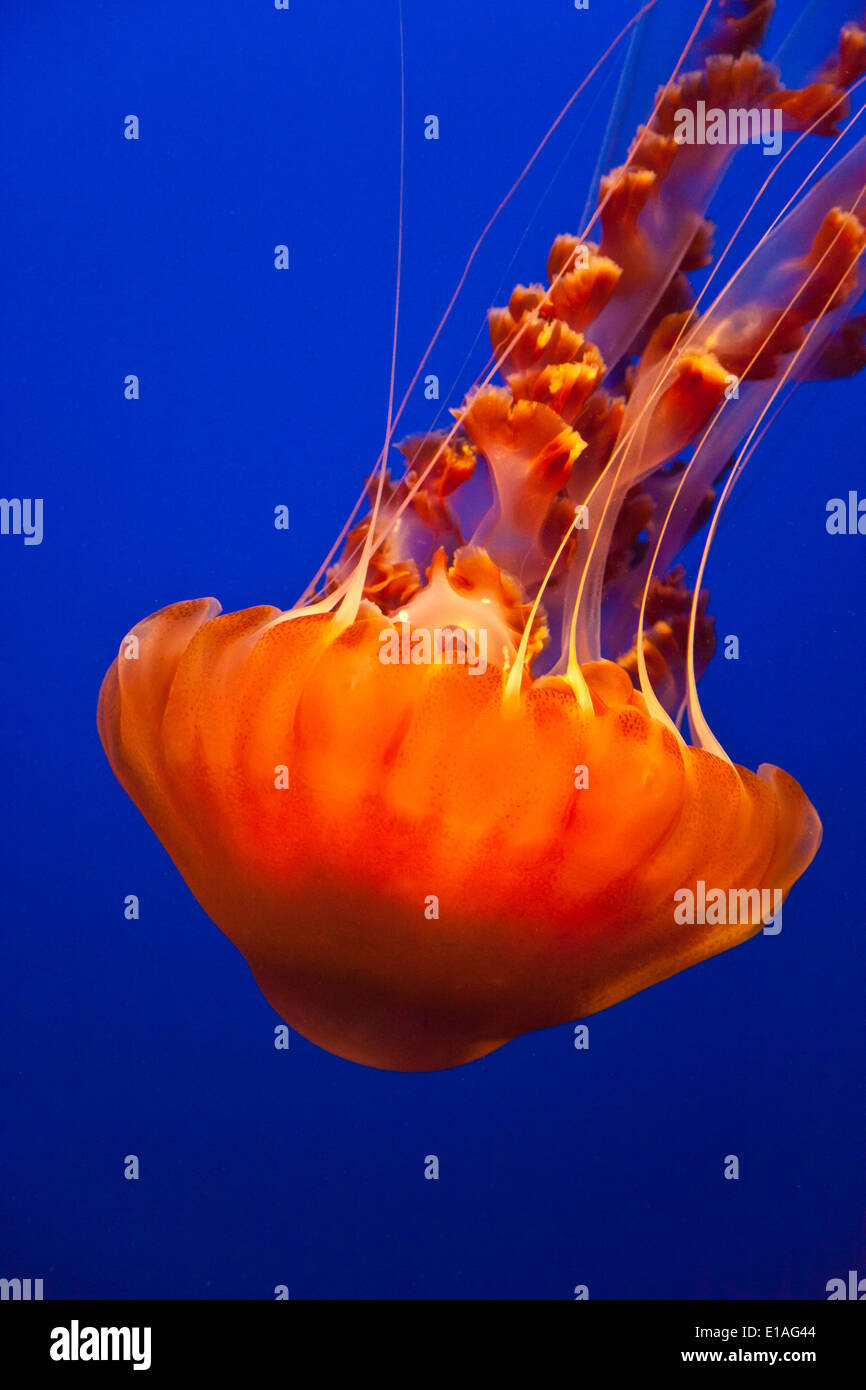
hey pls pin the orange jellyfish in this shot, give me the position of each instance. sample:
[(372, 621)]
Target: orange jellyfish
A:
[(447, 798)]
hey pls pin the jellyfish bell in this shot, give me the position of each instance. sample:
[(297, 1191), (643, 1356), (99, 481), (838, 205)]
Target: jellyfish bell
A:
[(435, 877), (422, 852)]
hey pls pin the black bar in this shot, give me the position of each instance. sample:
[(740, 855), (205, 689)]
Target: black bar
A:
[(227, 1337)]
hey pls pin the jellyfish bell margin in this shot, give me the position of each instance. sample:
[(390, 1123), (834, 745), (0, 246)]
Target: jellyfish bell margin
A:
[(422, 859)]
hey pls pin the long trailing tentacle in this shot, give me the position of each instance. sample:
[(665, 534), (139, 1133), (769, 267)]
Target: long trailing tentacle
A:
[(578, 91)]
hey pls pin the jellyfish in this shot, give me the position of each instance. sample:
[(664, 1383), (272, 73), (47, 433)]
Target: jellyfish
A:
[(460, 790)]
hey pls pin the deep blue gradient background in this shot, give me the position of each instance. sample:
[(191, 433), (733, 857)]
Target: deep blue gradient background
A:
[(260, 1167)]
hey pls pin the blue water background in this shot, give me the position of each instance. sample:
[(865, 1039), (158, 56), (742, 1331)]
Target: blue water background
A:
[(259, 1167)]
